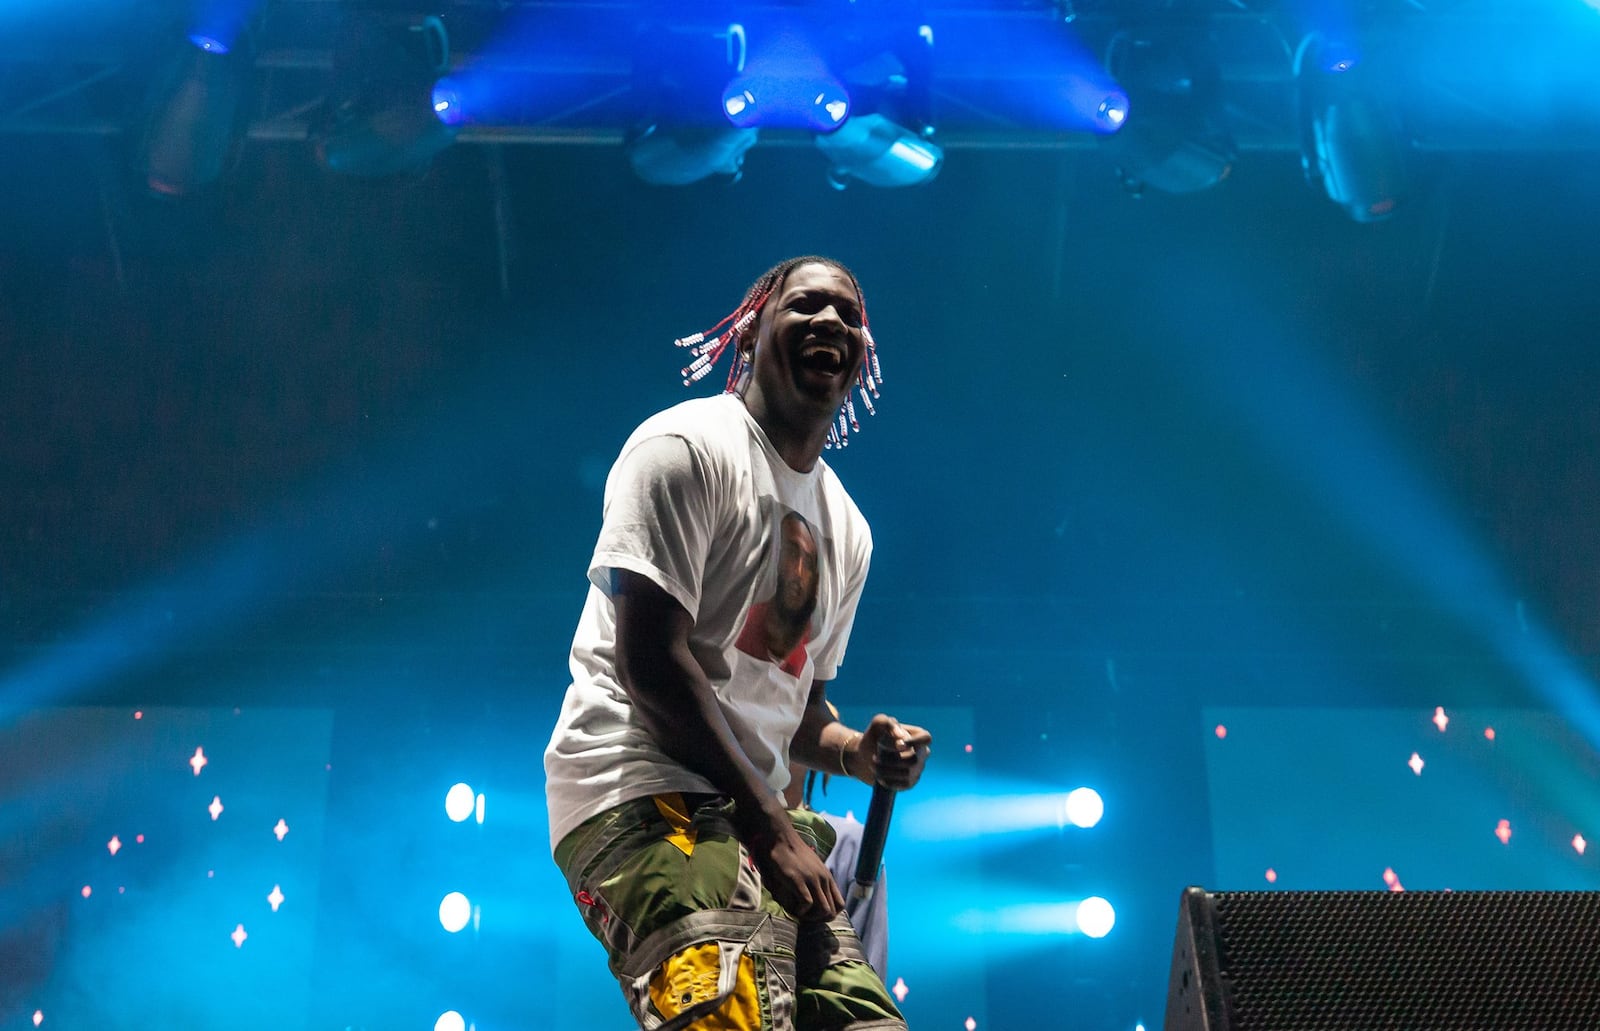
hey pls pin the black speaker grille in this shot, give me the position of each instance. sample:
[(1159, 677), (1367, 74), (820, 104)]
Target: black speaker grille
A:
[(1410, 961)]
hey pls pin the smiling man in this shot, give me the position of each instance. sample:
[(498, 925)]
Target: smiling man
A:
[(723, 589)]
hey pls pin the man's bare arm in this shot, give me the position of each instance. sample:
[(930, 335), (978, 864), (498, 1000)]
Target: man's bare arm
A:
[(676, 704)]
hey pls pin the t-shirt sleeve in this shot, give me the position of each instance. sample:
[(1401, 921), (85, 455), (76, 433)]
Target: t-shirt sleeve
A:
[(658, 519)]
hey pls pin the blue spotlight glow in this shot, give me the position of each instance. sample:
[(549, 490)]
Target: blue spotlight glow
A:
[(1113, 111), (818, 104), (994, 814), (788, 88), (455, 910), (447, 106), (1092, 917)]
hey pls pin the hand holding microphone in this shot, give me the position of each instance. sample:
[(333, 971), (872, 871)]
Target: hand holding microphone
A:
[(899, 752)]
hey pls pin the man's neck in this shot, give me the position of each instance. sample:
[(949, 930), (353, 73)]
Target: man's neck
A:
[(799, 447)]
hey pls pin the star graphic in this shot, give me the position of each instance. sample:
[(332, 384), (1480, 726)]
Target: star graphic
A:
[(276, 898), (900, 990), (281, 829), (1415, 762), (114, 845), (215, 808), (1579, 844), (1440, 720), (1502, 831), (197, 760), (238, 936)]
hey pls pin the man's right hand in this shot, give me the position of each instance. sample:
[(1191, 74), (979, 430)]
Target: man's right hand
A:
[(797, 878)]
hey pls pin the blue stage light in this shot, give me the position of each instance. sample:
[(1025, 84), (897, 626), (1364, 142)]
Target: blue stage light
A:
[(1095, 917), (877, 151), (195, 122), (820, 104), (455, 911), (1113, 111), (458, 803), (447, 106), (679, 156), (1084, 807), (210, 44)]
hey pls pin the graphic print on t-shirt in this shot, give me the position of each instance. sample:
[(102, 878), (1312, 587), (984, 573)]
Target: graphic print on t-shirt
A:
[(778, 628)]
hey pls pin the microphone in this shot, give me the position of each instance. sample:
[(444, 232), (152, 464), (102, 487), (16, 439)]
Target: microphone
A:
[(870, 856)]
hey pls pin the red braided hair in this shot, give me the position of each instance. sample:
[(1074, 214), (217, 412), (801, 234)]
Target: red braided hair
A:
[(706, 347)]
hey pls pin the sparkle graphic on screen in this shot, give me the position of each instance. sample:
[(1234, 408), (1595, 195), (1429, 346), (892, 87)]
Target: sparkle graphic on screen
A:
[(114, 845), (280, 829), (87, 891), (215, 808), (969, 749), (1440, 720), (972, 1025), (1488, 733), (198, 760), (139, 838), (1579, 844), (1272, 876), (1502, 831), (238, 936), (1222, 732), (138, 714), (900, 990), (276, 898), (1392, 879), (1416, 764), (38, 1017)]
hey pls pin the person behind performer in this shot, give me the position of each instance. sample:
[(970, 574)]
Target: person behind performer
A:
[(665, 769)]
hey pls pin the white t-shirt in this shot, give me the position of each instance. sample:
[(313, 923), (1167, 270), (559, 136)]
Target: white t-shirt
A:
[(768, 561)]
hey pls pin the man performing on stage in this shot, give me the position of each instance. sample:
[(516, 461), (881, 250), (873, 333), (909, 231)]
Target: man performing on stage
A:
[(723, 589)]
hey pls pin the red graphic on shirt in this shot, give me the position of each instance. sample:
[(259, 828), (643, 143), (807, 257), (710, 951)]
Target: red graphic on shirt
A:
[(779, 629)]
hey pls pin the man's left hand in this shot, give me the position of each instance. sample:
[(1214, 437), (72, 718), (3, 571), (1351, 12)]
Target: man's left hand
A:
[(891, 753)]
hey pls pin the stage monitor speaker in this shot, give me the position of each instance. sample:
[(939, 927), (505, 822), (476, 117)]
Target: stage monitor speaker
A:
[(1370, 960)]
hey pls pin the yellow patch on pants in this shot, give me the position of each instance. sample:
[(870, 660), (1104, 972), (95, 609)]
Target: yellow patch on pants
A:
[(676, 812), (690, 977)]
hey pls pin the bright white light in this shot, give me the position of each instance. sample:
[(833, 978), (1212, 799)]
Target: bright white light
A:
[(454, 911), (1085, 807), (458, 802), (480, 809), (1096, 917), (735, 104), (450, 1020), (916, 156), (837, 109)]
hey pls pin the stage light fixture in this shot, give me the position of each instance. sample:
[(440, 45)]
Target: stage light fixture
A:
[(195, 122), (1174, 137), (1351, 143), (679, 155), (382, 116), (879, 152)]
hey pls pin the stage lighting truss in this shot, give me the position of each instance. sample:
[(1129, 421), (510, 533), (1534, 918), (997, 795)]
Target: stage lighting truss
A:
[(381, 117), (1351, 143)]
